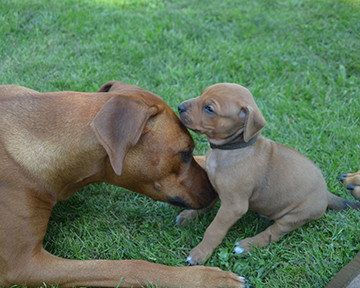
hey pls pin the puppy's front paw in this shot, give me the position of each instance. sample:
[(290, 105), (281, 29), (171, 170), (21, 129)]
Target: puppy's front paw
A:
[(198, 257), (243, 246), (238, 249), (185, 217)]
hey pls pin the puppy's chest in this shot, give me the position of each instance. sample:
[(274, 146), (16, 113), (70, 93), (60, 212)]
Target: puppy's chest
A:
[(223, 169), (214, 168), (211, 166)]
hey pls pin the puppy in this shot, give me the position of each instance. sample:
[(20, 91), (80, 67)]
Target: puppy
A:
[(251, 172), (352, 183)]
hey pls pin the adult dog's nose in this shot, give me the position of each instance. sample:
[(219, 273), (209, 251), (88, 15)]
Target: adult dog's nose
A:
[(181, 108)]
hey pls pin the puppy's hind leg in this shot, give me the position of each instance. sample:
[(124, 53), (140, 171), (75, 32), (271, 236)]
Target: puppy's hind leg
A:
[(272, 234)]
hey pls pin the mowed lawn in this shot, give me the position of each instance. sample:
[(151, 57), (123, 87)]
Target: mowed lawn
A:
[(301, 61)]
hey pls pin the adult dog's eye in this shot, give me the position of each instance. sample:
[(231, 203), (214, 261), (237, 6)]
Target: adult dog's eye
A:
[(186, 155), (209, 109)]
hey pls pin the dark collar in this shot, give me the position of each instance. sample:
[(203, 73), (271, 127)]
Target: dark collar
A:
[(237, 143)]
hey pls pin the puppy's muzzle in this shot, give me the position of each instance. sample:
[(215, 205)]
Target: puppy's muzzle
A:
[(182, 108), (184, 114)]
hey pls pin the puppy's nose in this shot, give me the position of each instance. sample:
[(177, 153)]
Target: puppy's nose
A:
[(181, 108)]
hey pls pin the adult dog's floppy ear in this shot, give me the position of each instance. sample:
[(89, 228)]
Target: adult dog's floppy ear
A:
[(254, 122), (119, 125), (107, 86)]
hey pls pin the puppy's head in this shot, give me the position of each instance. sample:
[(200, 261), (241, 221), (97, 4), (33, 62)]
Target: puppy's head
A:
[(223, 112)]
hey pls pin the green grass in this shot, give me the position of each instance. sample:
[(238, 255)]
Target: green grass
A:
[(301, 61)]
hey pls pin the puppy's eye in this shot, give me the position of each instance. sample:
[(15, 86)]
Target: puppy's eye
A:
[(209, 109)]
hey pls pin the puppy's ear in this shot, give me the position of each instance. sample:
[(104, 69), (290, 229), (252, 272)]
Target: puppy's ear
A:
[(254, 122), (119, 125)]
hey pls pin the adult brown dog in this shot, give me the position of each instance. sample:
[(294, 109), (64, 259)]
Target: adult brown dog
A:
[(52, 144), (251, 172)]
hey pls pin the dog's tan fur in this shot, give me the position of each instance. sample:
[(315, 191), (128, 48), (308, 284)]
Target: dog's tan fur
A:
[(352, 183), (52, 144), (267, 177)]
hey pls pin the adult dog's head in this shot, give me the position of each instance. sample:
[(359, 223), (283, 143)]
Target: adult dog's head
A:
[(149, 149)]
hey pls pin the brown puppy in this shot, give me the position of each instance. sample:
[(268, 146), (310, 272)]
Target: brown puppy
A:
[(352, 182), (52, 144), (251, 172)]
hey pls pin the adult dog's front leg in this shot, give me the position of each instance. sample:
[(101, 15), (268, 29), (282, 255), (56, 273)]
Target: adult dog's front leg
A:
[(226, 217), (46, 268)]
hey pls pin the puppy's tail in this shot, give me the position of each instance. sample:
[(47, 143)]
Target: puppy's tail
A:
[(337, 203)]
